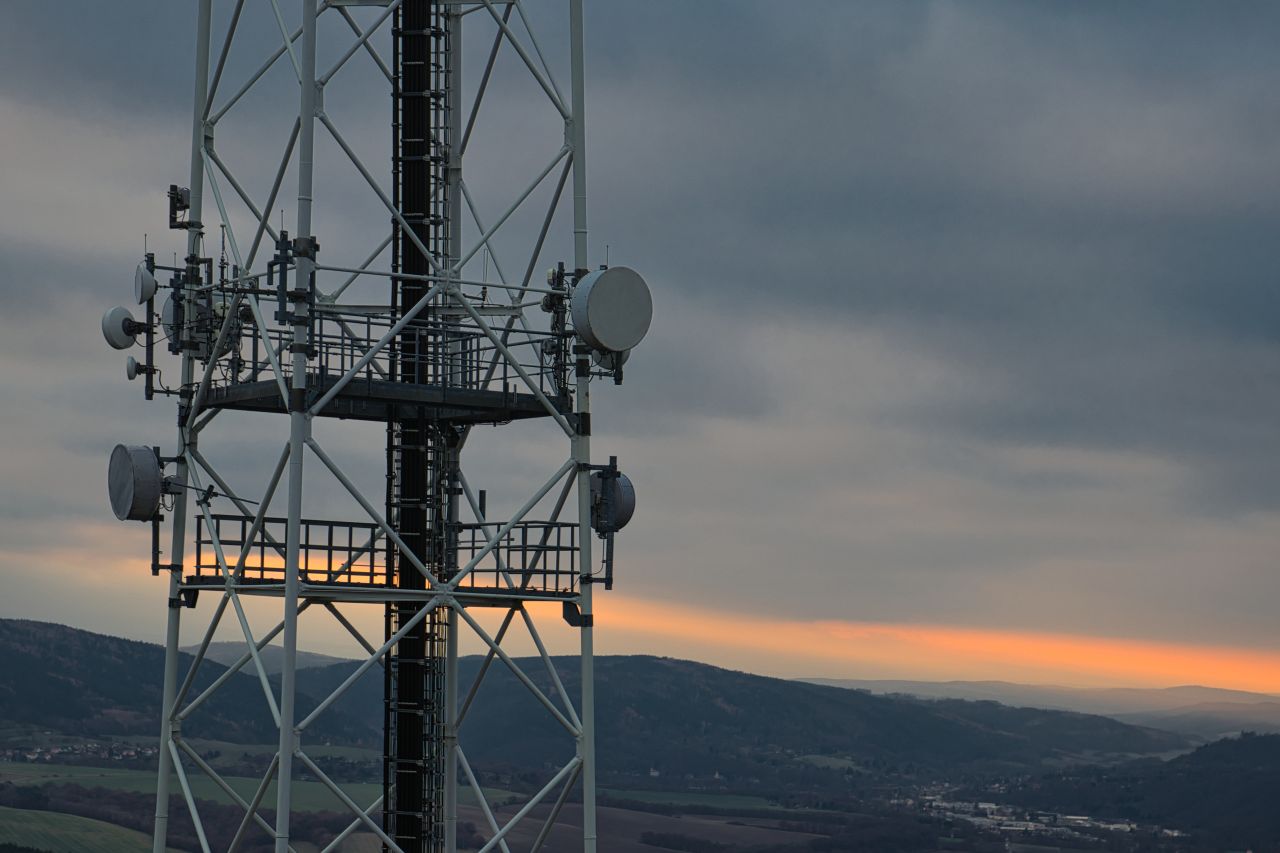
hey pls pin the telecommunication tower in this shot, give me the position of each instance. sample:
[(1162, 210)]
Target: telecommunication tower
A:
[(403, 339)]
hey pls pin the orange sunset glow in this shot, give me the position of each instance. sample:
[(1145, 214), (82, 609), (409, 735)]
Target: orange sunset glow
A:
[(851, 649), (938, 652)]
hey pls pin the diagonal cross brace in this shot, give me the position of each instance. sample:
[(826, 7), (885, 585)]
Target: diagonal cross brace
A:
[(403, 549), (373, 351), (515, 364), (502, 531), (364, 667)]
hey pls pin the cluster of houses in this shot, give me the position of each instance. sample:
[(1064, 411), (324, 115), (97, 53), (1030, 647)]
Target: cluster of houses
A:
[(1011, 820), (78, 752)]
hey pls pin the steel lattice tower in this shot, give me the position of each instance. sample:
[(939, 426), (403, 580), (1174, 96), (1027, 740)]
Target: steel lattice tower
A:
[(273, 328)]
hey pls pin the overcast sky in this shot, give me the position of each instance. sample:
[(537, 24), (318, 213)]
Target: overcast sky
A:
[(966, 316)]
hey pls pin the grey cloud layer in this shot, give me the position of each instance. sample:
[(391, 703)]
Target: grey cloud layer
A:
[(1077, 206), (962, 309)]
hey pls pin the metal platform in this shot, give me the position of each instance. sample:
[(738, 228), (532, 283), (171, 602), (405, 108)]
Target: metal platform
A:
[(444, 368), (369, 399)]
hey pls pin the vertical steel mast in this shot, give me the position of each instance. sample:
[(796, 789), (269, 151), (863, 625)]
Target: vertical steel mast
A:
[(405, 344), (422, 451)]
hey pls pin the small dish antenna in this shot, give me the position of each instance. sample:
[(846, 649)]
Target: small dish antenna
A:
[(614, 500), (134, 482), (169, 317), (610, 360), (612, 309), (119, 327), (144, 284)]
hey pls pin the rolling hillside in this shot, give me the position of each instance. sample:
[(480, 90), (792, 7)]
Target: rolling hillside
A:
[(680, 718), (227, 653), (52, 832), (675, 718), (75, 682)]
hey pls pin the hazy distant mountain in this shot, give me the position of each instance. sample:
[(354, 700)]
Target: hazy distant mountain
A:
[(682, 719), (1212, 720), (1110, 701), (1205, 713), (227, 653)]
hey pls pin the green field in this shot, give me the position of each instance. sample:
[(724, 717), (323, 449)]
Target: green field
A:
[(307, 796), (232, 751), (831, 762), (15, 735), (691, 798), (63, 833)]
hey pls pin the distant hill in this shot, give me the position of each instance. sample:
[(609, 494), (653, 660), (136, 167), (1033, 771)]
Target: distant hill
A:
[(75, 682), (677, 718), (682, 718), (1225, 791), (227, 653), (1205, 713), (1212, 720), (1086, 700)]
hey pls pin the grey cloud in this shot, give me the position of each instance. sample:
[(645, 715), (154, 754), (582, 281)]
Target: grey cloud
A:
[(1078, 207), (961, 309)]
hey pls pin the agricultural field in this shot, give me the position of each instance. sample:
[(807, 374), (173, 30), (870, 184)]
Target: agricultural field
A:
[(622, 830), (317, 751), (307, 796), (61, 833), (623, 827), (691, 798)]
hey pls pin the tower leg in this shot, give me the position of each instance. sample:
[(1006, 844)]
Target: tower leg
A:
[(582, 443), (288, 670), (451, 736), (160, 835), (588, 750), (299, 431)]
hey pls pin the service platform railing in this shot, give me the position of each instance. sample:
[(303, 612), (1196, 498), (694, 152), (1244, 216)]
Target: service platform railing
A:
[(535, 556), (539, 558), (330, 552), (442, 350)]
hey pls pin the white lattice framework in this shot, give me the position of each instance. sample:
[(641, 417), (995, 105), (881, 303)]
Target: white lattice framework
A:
[(243, 208)]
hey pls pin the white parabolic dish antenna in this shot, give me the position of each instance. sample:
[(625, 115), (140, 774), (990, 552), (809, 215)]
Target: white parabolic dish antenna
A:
[(116, 327), (612, 309), (169, 317), (144, 284), (135, 482)]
